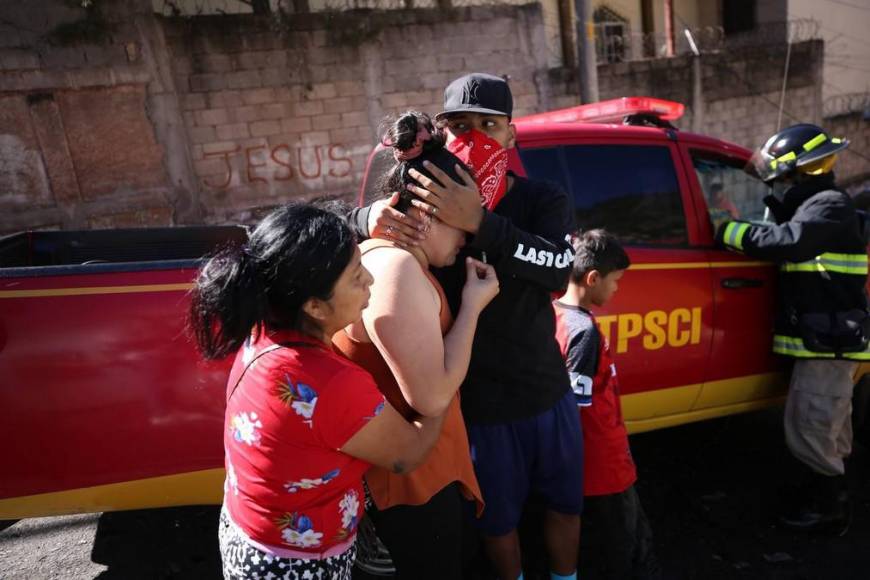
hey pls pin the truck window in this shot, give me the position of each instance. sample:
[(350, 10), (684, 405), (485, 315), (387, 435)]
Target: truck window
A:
[(632, 190), (112, 248), (382, 161), (730, 192)]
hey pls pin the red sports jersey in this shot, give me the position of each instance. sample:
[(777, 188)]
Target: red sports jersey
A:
[(607, 464), (288, 487)]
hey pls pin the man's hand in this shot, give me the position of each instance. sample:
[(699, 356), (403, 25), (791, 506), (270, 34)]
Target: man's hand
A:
[(456, 204), (390, 224)]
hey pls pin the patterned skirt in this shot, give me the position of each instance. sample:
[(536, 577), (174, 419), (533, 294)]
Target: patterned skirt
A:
[(241, 560)]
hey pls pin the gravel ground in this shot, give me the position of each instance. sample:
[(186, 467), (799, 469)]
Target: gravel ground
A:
[(709, 489)]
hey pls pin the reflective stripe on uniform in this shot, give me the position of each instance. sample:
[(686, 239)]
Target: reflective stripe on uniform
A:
[(830, 262), (734, 233), (793, 346)]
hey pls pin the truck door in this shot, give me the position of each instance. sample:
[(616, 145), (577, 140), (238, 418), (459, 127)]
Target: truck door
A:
[(659, 323), (743, 373)]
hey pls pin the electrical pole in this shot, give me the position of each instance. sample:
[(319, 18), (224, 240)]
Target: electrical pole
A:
[(669, 28), (587, 66)]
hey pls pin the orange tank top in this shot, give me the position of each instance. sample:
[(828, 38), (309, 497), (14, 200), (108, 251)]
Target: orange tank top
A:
[(450, 459)]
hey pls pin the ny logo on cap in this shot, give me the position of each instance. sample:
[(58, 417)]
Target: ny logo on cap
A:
[(470, 92)]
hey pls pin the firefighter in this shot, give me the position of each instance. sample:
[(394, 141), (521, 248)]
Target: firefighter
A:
[(822, 315)]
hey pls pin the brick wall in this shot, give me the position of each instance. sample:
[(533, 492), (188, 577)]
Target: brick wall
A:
[(83, 139), (740, 90), (294, 113), (853, 164), (216, 119)]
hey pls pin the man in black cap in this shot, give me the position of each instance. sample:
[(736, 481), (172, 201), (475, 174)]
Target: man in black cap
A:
[(517, 401)]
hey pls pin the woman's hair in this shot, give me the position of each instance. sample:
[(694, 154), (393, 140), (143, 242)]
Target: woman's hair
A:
[(297, 252), (414, 140)]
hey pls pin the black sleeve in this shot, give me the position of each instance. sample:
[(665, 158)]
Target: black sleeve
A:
[(542, 255), (582, 356), (358, 220), (802, 238)]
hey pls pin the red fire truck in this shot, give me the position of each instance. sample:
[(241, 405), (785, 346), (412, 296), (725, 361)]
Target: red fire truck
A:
[(107, 405)]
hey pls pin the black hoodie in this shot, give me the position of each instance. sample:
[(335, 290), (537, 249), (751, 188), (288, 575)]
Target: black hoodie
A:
[(516, 370)]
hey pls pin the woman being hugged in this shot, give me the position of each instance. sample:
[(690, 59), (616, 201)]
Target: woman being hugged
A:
[(419, 356), (302, 423)]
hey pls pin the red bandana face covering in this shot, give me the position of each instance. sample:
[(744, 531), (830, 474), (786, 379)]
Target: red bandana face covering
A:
[(488, 162)]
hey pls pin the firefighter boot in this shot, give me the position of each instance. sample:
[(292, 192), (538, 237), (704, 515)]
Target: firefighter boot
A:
[(825, 509)]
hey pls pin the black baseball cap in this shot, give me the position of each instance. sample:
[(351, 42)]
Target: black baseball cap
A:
[(478, 93)]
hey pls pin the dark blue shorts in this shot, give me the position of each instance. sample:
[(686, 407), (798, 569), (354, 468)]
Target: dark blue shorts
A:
[(542, 454)]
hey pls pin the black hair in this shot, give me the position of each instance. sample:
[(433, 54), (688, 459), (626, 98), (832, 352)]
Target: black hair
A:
[(297, 252), (597, 250), (401, 136)]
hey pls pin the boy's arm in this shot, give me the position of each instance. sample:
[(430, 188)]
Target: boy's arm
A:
[(582, 358)]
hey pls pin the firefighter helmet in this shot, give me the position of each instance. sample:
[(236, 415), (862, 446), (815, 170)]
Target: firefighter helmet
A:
[(805, 148)]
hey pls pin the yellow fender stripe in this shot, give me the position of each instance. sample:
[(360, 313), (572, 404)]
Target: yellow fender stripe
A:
[(90, 290), (192, 488)]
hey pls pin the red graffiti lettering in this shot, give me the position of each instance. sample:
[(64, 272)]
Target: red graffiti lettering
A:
[(251, 165), (283, 163), (226, 157), (338, 163), (332, 171), (302, 165)]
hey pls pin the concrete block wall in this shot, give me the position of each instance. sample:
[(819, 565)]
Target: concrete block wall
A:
[(217, 119), (77, 146), (740, 90), (294, 114), (853, 164)]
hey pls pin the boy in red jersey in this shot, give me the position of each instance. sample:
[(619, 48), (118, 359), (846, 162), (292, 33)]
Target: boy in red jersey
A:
[(610, 499)]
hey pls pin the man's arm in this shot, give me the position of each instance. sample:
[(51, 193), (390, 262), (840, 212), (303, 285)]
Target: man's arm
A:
[(802, 238), (358, 220), (544, 254), (382, 220)]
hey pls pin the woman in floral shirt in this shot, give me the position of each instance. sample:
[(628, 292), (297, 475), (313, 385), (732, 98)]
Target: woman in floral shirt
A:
[(302, 423)]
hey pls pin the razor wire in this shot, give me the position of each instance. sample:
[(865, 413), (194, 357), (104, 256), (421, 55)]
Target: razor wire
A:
[(189, 8)]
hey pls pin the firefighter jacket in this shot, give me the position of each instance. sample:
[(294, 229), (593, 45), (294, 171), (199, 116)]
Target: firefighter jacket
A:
[(818, 243)]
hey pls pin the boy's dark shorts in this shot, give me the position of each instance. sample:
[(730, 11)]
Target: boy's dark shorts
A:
[(542, 454)]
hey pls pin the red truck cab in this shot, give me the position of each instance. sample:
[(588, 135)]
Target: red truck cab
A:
[(691, 326), (108, 406)]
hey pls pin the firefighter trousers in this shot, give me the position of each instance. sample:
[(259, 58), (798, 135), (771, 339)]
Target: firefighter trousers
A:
[(818, 411)]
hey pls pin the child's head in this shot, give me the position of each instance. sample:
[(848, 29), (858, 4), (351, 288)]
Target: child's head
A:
[(599, 263)]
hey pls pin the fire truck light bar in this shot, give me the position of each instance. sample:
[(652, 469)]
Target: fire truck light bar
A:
[(611, 111)]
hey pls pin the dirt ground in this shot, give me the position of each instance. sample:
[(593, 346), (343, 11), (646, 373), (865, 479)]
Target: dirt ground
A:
[(709, 490)]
